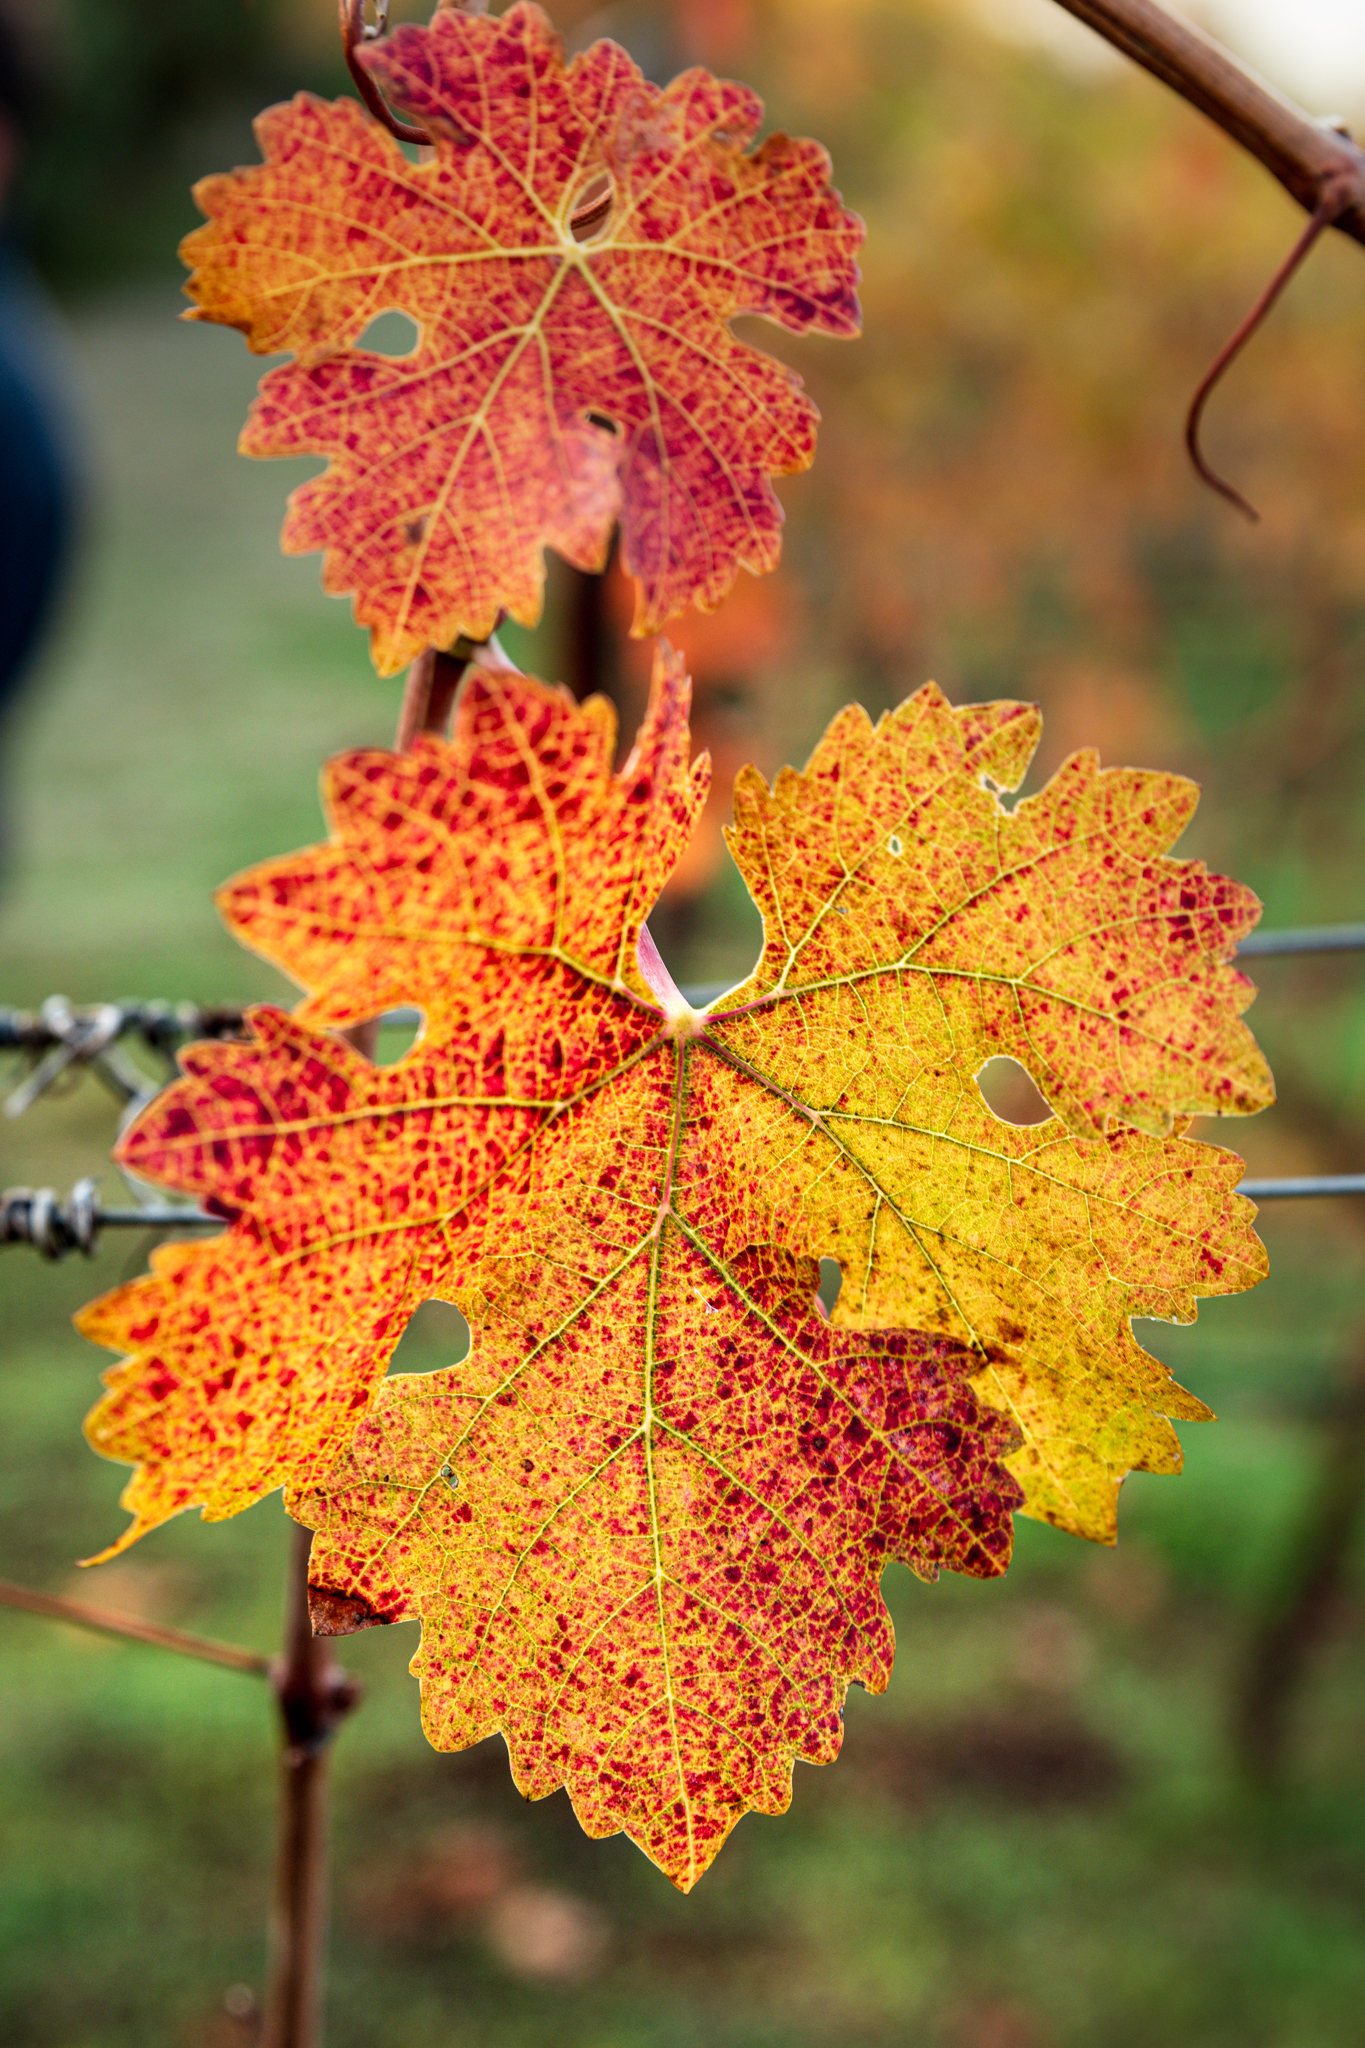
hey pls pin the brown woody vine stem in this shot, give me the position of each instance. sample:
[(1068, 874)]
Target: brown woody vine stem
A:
[(1317, 162), (313, 1691), (314, 1694)]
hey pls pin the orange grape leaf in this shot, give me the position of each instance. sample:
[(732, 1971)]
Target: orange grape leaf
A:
[(644, 1521), (566, 376), (245, 1371)]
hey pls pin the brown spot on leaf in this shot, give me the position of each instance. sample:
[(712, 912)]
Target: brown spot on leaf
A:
[(341, 1614)]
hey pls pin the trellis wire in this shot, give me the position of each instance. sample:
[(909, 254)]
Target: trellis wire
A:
[(1313, 938), (61, 1035)]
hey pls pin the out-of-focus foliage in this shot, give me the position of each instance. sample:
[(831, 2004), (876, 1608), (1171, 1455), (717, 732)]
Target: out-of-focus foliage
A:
[(1003, 497)]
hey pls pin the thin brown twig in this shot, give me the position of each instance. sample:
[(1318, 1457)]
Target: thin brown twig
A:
[(106, 1621)]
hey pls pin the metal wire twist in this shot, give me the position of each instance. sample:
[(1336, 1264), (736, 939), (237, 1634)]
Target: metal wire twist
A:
[(38, 1217), (60, 1035)]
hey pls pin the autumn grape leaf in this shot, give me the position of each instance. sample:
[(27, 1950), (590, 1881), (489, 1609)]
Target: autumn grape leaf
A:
[(643, 1522), (566, 375)]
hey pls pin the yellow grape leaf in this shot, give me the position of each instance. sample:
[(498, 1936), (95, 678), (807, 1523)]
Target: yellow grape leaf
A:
[(643, 1523), (573, 254)]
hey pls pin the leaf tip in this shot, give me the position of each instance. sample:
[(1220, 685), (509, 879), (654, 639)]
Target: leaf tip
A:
[(139, 1527)]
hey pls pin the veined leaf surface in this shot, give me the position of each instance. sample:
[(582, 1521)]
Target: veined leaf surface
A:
[(643, 1523), (565, 375)]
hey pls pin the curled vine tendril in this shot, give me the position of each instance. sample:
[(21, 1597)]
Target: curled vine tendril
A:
[(355, 30), (1336, 194)]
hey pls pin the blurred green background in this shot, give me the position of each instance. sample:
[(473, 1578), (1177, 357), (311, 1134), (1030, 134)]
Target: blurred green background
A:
[(1046, 1834)]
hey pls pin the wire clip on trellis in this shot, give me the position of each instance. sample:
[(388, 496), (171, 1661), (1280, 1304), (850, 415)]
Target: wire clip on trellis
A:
[(38, 1216)]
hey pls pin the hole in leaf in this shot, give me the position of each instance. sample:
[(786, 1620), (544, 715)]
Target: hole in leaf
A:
[(390, 334), (591, 210), (1011, 1092), (399, 1031), (893, 845), (437, 1335), (831, 1280), (599, 419)]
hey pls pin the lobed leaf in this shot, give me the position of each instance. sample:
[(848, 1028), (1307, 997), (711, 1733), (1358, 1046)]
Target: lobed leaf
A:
[(564, 378), (643, 1522)]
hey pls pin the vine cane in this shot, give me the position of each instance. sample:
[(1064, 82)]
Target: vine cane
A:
[(313, 1692)]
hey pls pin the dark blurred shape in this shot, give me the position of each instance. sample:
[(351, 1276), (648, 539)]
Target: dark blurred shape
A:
[(129, 91), (35, 497), (1023, 1754), (37, 490)]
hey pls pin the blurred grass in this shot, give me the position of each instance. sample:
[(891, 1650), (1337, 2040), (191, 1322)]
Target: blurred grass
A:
[(1036, 1841), (1035, 1838)]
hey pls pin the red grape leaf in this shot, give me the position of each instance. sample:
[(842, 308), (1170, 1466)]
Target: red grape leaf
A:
[(643, 1522), (558, 383)]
